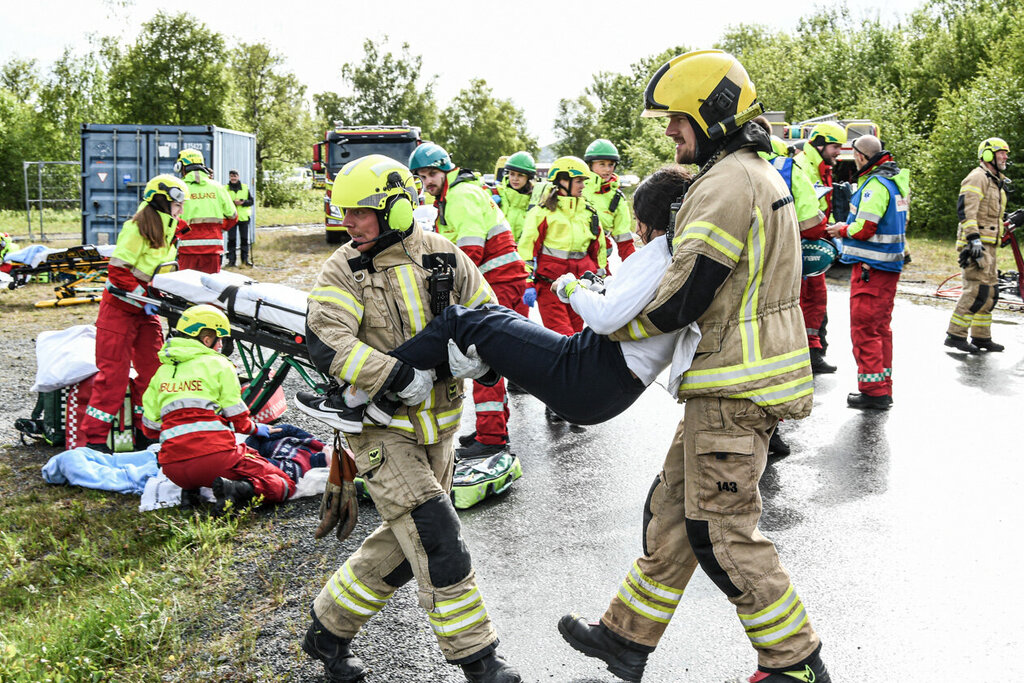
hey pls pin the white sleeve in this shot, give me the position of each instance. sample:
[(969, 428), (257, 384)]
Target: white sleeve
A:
[(627, 293)]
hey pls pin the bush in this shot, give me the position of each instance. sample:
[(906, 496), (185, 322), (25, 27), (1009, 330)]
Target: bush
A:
[(284, 192)]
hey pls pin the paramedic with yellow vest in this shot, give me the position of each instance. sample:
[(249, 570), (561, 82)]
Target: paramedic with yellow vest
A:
[(735, 270), (371, 295), (209, 212), (603, 193), (241, 197), (980, 208)]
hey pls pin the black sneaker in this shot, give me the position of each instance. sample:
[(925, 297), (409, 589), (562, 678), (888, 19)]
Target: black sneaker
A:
[(331, 409), (961, 344), (987, 345), (479, 450), (467, 439), (625, 660), (491, 669), (819, 366), (340, 665), (382, 409), (552, 416), (869, 402), (810, 670)]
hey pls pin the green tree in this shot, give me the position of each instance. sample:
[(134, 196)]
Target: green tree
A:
[(385, 90), (576, 126), (19, 143), (174, 73), (477, 128), (75, 92), (20, 77), (270, 104)]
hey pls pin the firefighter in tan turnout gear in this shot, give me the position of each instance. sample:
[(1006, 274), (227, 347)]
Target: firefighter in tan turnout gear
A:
[(980, 208), (372, 294), (736, 272)]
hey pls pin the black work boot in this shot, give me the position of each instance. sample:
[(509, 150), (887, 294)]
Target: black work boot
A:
[(869, 402), (961, 344), (191, 499), (809, 670), (237, 493), (340, 665), (776, 446), (467, 439), (987, 345), (819, 366), (479, 450), (490, 669), (624, 659)]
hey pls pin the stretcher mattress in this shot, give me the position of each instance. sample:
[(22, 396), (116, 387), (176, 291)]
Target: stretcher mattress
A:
[(239, 295)]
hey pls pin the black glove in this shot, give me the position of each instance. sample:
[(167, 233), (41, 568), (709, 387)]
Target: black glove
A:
[(842, 193), (964, 259), (1016, 219)]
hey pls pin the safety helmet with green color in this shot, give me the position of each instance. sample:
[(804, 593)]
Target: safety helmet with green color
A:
[(827, 132), (188, 159), (172, 188), (601, 149), (195, 319), (522, 162), (709, 86), (570, 167), (430, 155), (988, 148), (380, 183)]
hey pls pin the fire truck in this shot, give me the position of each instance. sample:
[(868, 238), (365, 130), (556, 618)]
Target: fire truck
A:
[(796, 136), (343, 144)]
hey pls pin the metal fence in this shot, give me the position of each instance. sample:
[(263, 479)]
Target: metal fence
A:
[(53, 184)]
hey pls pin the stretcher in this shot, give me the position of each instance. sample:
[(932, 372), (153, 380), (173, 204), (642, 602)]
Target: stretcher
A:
[(79, 273), (268, 324)]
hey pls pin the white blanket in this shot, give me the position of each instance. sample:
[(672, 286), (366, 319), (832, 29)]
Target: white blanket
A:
[(277, 304), (161, 492)]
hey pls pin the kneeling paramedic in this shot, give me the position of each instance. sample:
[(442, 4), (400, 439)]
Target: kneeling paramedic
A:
[(371, 295), (194, 404)]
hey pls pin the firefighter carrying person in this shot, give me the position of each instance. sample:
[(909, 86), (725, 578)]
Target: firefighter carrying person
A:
[(817, 160), (874, 241), (241, 197), (740, 282), (468, 216), (209, 213), (194, 405), (980, 208), (128, 333), (603, 192), (371, 295)]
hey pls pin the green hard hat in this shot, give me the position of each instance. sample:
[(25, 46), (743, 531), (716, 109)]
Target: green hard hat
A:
[(601, 149), (522, 162)]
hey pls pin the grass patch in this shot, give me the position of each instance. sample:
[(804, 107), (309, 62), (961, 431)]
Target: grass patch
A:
[(54, 221), (933, 260)]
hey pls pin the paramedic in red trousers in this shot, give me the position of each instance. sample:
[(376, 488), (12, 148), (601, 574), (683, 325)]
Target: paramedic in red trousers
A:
[(468, 216), (209, 213), (735, 271), (603, 193), (194, 405), (816, 161), (980, 207), (128, 333), (874, 242)]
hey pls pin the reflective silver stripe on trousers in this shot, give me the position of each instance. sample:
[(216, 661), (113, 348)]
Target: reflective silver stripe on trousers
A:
[(199, 243), (561, 253), (499, 261)]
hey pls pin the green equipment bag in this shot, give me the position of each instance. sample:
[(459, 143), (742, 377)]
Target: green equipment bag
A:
[(47, 421), (475, 479)]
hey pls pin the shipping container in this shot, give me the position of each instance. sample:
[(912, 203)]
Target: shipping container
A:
[(119, 159)]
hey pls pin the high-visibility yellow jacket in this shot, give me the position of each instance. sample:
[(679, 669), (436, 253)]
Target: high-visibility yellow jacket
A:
[(209, 211), (242, 193), (567, 240), (819, 173), (514, 204), (134, 261), (613, 211)]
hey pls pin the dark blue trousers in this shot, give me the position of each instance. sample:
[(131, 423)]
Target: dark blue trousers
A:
[(583, 378)]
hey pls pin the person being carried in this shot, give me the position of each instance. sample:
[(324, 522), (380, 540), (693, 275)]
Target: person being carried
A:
[(194, 406)]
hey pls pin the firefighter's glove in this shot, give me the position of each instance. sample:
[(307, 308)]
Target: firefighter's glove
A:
[(530, 296), (418, 390), (466, 365), (976, 248), (593, 282), (150, 309), (1015, 219), (563, 287), (339, 510)]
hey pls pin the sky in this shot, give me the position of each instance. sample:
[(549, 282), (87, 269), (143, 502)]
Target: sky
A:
[(533, 53)]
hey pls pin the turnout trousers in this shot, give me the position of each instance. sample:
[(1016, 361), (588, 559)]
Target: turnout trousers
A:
[(703, 509), (240, 463), (871, 305), (980, 294), (123, 338), (813, 304), (583, 378), (420, 537), (491, 403)]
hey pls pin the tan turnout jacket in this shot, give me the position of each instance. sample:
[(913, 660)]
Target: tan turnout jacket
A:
[(980, 207)]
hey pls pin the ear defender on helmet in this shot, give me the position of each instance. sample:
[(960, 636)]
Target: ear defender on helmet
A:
[(398, 209)]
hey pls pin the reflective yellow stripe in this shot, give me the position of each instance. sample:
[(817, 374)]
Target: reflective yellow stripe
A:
[(779, 393), (481, 296), (969, 223), (648, 598), (353, 595), (731, 375), (712, 235), (749, 337), (777, 622), (454, 616), (336, 295), (962, 320), (971, 188), (411, 296), (637, 331), (988, 239), (355, 361)]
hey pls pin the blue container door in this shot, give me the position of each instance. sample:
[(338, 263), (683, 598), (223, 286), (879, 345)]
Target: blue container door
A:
[(115, 170)]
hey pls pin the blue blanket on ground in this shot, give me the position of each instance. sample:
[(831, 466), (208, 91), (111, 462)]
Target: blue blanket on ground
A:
[(121, 472)]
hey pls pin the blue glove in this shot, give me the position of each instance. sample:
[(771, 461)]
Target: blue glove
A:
[(530, 296), (263, 431), (150, 309)]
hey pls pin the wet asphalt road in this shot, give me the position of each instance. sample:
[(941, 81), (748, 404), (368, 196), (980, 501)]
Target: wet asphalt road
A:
[(900, 529)]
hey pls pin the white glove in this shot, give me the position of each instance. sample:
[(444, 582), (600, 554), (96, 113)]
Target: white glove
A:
[(561, 286), (419, 388), (466, 365)]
